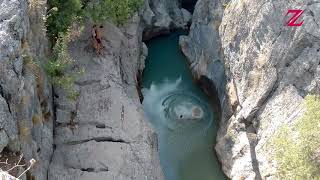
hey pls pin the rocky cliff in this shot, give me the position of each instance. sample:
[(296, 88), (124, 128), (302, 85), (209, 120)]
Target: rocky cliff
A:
[(101, 135), (260, 67), (162, 16), (267, 68), (26, 114), (104, 133)]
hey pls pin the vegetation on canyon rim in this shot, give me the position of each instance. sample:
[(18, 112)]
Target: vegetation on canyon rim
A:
[(297, 148), (61, 19)]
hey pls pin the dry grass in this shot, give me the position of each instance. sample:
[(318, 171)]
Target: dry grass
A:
[(31, 66), (25, 100), (24, 45), (47, 116), (40, 86), (37, 11), (35, 4), (37, 119), (24, 131)]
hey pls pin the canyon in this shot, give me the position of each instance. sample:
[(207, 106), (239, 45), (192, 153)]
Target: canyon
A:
[(259, 69)]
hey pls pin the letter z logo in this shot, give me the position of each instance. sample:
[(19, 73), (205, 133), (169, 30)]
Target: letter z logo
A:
[(296, 15)]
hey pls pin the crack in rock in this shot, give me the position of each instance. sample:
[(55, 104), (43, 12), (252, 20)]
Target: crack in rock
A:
[(87, 82), (90, 169), (96, 124), (98, 139)]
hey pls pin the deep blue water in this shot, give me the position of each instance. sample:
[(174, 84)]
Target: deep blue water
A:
[(180, 113)]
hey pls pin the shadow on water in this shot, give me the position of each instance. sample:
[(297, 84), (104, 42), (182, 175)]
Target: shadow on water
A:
[(180, 112)]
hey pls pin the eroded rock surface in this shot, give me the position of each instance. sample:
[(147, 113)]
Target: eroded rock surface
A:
[(268, 66), (202, 45), (262, 69), (25, 97), (161, 16), (104, 134)]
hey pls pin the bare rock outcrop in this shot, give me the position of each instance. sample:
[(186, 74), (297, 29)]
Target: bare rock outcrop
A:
[(161, 16), (26, 122), (268, 68), (104, 134)]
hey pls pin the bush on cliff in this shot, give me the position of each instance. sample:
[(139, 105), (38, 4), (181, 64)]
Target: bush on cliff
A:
[(61, 15), (65, 12), (116, 11), (57, 65), (60, 22), (297, 147)]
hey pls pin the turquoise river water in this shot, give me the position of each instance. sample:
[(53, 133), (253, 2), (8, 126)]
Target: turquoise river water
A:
[(180, 113)]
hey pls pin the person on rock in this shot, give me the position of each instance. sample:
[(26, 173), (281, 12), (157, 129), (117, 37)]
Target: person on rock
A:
[(97, 38), (94, 40)]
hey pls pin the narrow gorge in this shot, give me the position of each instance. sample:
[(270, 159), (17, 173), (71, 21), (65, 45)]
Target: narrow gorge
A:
[(180, 112), (207, 103)]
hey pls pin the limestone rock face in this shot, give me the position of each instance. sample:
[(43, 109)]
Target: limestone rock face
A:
[(104, 134), (202, 46), (4, 140), (25, 97), (161, 16), (262, 70)]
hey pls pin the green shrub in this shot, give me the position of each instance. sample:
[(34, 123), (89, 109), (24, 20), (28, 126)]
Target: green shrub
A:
[(57, 66), (60, 58), (295, 146), (61, 16), (64, 12), (66, 82), (31, 64), (116, 11)]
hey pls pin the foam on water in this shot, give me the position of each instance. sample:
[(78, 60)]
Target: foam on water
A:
[(180, 114), (169, 106)]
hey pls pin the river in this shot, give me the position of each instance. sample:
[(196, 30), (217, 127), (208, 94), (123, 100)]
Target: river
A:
[(180, 113)]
